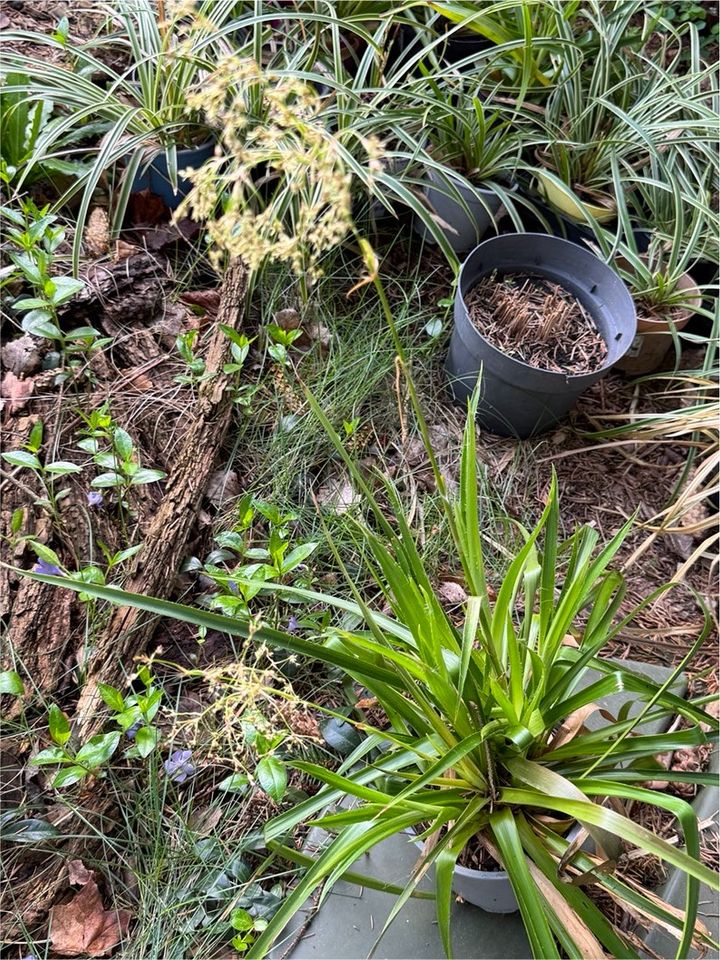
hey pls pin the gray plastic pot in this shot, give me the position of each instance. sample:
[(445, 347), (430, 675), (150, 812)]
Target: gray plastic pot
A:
[(490, 890), (517, 399), (470, 220)]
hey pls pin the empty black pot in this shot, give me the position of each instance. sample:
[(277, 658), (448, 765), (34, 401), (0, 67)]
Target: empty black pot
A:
[(515, 398), (156, 177)]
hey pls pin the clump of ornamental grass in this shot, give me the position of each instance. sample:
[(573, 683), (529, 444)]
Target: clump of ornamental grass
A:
[(280, 184)]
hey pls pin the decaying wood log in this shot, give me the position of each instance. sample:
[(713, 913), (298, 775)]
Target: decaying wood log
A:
[(128, 630)]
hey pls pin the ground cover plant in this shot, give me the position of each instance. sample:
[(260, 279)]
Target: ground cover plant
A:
[(231, 233)]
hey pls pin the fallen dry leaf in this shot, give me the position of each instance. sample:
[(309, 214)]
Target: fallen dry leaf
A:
[(222, 486), (123, 250), (207, 300), (83, 927), (337, 494), (321, 334), (78, 873), (17, 391), (451, 593), (287, 319), (138, 379), (23, 356)]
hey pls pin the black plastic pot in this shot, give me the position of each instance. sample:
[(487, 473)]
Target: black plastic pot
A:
[(155, 177), (460, 45), (515, 398)]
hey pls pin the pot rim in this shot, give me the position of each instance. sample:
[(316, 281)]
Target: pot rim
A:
[(471, 873), (154, 150), (466, 871), (557, 377)]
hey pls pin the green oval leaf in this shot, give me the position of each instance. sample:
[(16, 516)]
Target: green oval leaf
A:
[(271, 774), (235, 783), (68, 776), (146, 740), (112, 697), (10, 682), (98, 749), (29, 831), (58, 725), (21, 458)]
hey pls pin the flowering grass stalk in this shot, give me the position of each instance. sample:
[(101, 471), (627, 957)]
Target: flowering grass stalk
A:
[(278, 186)]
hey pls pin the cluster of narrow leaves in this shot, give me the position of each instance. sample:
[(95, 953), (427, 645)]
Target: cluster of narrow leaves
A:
[(487, 736)]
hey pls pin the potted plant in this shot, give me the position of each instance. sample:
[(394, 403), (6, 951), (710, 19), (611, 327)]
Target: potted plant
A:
[(616, 106), (472, 153), (538, 319), (149, 135), (475, 29), (656, 271), (487, 752), (486, 747)]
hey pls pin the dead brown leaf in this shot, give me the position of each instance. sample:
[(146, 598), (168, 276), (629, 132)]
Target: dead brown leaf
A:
[(451, 593), (78, 873), (321, 334), (17, 391), (123, 250), (222, 486), (337, 494), (287, 319), (83, 927), (206, 300), (572, 725), (23, 356)]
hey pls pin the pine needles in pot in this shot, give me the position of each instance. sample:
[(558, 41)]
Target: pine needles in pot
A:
[(534, 319)]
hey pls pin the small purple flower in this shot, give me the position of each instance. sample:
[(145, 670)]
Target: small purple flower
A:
[(48, 569), (293, 624), (95, 498), (131, 732), (179, 765)]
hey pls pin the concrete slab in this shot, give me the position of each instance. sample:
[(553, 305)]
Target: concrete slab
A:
[(352, 917)]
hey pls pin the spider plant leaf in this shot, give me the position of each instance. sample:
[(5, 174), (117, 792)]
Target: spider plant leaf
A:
[(531, 903), (628, 830)]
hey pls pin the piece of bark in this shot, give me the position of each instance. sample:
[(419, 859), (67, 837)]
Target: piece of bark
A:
[(128, 630), (130, 291)]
